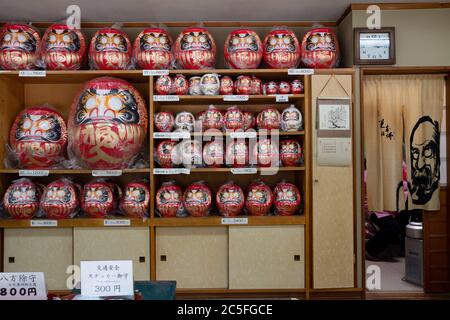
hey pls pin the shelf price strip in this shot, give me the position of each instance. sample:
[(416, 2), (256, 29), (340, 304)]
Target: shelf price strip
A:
[(233, 97), (33, 73), (164, 98), (43, 223), (34, 173), (106, 173), (244, 170), (171, 171), (234, 221), (171, 135), (116, 222), (150, 73), (300, 72)]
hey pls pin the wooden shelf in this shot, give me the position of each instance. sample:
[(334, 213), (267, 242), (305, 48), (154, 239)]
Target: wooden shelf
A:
[(76, 171), (219, 99), (217, 221), (75, 223)]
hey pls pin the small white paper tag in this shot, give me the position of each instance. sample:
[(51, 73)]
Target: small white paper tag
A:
[(116, 222), (149, 73), (106, 173), (300, 72), (107, 278), (171, 135), (159, 97), (233, 97), (32, 73), (34, 173), (244, 170), (243, 135), (234, 220), (282, 98), (171, 171), (43, 223), (22, 286)]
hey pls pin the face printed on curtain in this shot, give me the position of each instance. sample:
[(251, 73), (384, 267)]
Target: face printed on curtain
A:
[(425, 162)]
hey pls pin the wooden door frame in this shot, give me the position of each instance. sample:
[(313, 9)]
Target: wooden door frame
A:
[(393, 71)]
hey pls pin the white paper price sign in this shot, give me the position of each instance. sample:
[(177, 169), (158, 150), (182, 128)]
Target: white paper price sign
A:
[(171, 171), (243, 135), (233, 97), (171, 135), (106, 173), (300, 72), (234, 220), (22, 286), (149, 73), (107, 278), (244, 170), (44, 223), (116, 222), (163, 98), (32, 73), (34, 173), (282, 98)]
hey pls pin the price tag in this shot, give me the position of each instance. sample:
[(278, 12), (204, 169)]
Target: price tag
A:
[(300, 72), (34, 173), (240, 97), (282, 98), (22, 286), (171, 135), (32, 73), (243, 135), (165, 98), (149, 73), (244, 170), (116, 222), (171, 171), (107, 278), (106, 173), (43, 223), (234, 220)]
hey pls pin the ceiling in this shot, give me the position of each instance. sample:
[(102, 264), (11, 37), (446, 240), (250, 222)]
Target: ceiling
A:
[(179, 10)]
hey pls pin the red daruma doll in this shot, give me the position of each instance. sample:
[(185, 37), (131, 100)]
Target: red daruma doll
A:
[(63, 48), (38, 137), (19, 47), (110, 49), (287, 199), (197, 199), (99, 198), (165, 153), (21, 199), (169, 200), (243, 49), (290, 152), (60, 199), (195, 49), (136, 199), (151, 49), (107, 124), (320, 49), (259, 199), (281, 49), (213, 154), (230, 199)]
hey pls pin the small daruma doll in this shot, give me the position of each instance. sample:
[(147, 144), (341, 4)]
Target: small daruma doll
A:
[(233, 119), (226, 85), (320, 49), (212, 119), (151, 49), (19, 47), (184, 121), (164, 121), (281, 49), (189, 153), (165, 153), (169, 200), (136, 199), (259, 199), (164, 85), (197, 199), (60, 199), (243, 49), (243, 85), (291, 119), (38, 137), (107, 124), (237, 154), (63, 48), (99, 198), (110, 49), (268, 119), (249, 120), (210, 84), (287, 199), (21, 199), (213, 154), (266, 153), (290, 152), (230, 199), (195, 49), (180, 84)]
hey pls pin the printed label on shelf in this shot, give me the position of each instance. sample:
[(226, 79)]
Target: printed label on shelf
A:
[(243, 135), (43, 223), (34, 173), (159, 97), (300, 72), (171, 171), (149, 73), (116, 222), (22, 286), (107, 278), (234, 220), (244, 170), (171, 135), (32, 73), (106, 173), (282, 98), (234, 97)]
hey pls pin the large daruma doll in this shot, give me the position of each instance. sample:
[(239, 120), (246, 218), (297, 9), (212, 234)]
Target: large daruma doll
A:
[(320, 49), (281, 49), (63, 48), (151, 49), (38, 137), (243, 49), (107, 124), (19, 47), (110, 49), (195, 49)]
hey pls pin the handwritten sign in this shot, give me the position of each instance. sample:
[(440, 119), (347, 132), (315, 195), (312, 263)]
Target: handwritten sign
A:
[(22, 286)]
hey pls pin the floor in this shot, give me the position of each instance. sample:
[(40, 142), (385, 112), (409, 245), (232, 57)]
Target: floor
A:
[(391, 276)]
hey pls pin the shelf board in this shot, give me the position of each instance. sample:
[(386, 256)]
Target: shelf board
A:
[(76, 171), (219, 99), (229, 170), (217, 221), (74, 223), (220, 133)]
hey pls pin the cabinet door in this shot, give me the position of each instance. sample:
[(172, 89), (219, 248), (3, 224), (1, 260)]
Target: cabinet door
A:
[(115, 244), (40, 250), (194, 257), (269, 257)]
